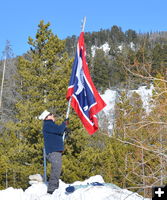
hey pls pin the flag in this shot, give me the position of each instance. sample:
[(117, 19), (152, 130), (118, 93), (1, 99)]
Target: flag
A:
[(85, 99)]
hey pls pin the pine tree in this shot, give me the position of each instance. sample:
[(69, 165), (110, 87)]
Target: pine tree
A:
[(131, 36), (43, 76), (100, 72), (117, 35), (159, 55), (8, 97)]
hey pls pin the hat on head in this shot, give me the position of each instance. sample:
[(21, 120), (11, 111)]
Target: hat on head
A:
[(44, 115)]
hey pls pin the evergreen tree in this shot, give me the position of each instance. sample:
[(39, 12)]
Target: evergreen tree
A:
[(159, 56), (100, 72), (70, 44), (131, 36), (43, 79), (117, 35), (8, 67)]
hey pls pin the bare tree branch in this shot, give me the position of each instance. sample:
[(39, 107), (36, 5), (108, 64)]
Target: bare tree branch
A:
[(145, 148)]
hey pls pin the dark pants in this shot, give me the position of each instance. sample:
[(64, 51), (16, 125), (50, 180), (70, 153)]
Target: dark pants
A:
[(55, 158)]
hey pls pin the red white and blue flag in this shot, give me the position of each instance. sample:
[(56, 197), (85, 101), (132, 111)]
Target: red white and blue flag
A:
[(85, 99)]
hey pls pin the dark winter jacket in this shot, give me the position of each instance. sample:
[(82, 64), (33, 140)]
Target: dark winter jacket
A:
[(53, 136)]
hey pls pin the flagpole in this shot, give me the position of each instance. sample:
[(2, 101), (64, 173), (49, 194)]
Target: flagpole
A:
[(69, 102), (83, 24)]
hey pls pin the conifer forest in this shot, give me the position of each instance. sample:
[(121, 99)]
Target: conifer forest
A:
[(134, 156)]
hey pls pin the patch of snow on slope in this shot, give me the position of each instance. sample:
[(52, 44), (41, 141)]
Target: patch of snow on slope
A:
[(105, 48), (146, 96), (111, 96)]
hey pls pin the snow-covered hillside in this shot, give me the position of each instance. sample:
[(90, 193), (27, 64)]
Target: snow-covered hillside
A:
[(101, 191), (105, 47), (111, 96)]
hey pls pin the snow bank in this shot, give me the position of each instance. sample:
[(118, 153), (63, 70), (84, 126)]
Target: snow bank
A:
[(12, 194), (38, 191)]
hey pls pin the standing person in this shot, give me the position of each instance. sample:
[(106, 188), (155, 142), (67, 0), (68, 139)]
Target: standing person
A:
[(54, 146)]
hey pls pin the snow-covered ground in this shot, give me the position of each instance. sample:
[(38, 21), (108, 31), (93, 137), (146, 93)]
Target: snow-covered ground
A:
[(38, 191)]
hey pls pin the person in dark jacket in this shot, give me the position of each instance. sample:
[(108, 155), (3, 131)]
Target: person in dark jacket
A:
[(54, 146)]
